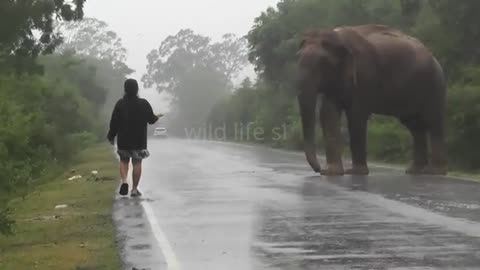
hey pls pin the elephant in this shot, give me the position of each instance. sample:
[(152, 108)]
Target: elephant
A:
[(370, 69)]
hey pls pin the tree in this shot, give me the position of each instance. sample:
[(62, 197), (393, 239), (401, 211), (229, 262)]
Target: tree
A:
[(179, 54), (410, 11), (20, 21), (458, 32), (92, 38), (94, 59), (174, 58), (196, 72), (81, 72), (230, 54)]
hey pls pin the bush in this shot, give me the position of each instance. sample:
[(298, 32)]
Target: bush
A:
[(464, 126), (82, 140), (388, 140), (5, 223), (42, 121)]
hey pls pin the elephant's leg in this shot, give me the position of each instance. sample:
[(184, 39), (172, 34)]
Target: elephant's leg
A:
[(418, 131), (357, 127), (330, 119), (438, 147)]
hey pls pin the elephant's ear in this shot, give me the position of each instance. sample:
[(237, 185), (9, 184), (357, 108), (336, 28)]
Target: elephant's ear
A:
[(350, 42)]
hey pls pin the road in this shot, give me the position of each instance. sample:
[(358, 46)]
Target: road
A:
[(224, 206)]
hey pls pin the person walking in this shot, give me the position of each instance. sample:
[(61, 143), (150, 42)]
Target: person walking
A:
[(128, 124)]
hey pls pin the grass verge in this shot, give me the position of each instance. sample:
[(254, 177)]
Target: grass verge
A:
[(79, 237)]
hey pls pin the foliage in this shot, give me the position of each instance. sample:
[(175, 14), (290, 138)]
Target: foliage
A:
[(464, 120), (47, 117), (196, 72), (44, 123), (92, 38), (27, 30), (388, 140), (91, 54), (97, 80)]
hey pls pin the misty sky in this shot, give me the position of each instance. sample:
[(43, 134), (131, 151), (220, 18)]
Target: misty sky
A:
[(143, 24)]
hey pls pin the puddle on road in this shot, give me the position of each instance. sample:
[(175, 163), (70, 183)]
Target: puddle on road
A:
[(137, 215), (141, 247), (140, 225)]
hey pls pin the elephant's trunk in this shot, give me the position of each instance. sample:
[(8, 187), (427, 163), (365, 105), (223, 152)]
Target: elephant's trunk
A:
[(307, 105)]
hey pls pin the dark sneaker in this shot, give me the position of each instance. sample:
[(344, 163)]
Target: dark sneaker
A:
[(124, 189), (135, 193)]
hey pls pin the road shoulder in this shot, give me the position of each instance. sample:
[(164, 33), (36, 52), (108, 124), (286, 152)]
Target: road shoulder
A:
[(67, 224), (453, 175)]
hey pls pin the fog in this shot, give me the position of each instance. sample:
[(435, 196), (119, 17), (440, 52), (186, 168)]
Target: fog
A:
[(143, 24)]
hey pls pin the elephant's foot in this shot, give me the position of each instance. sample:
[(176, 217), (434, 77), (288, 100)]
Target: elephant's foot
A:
[(333, 170), (358, 170), (434, 170), (415, 169)]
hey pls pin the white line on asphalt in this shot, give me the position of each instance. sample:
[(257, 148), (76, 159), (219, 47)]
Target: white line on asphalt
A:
[(162, 240)]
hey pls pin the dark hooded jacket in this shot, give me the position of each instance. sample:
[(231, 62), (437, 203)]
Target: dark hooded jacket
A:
[(129, 122)]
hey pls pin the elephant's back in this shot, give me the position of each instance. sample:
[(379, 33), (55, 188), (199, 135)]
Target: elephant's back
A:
[(393, 45), (397, 44), (407, 69), (398, 51)]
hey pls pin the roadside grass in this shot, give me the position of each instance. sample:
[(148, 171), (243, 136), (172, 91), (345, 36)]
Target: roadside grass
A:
[(79, 237), (465, 176)]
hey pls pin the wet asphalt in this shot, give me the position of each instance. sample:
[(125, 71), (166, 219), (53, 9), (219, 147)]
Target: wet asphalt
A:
[(228, 206)]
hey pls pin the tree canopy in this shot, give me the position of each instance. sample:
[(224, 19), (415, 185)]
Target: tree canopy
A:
[(93, 38), (196, 72), (20, 21)]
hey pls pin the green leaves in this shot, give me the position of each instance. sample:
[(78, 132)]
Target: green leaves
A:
[(92, 38), (6, 224), (19, 20), (463, 119), (196, 72), (178, 55)]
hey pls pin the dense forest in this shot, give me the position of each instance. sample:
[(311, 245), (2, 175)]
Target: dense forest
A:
[(56, 76), (448, 27)]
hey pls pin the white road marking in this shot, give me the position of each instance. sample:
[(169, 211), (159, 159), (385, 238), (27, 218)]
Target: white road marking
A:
[(161, 238)]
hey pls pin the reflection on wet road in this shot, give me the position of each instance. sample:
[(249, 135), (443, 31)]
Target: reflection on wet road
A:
[(227, 206)]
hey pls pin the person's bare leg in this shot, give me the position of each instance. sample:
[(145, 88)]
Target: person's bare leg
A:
[(137, 173), (124, 171), (123, 175)]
